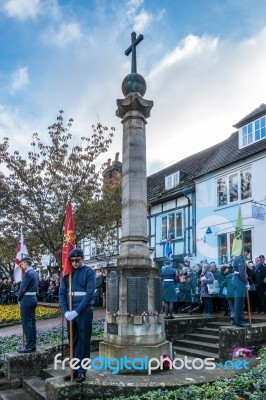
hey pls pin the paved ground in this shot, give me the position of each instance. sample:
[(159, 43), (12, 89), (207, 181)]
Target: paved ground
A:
[(98, 313)]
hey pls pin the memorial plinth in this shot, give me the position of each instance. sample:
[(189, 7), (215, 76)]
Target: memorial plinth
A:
[(134, 326)]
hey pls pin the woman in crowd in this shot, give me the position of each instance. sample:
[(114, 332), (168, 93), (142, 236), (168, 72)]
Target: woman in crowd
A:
[(205, 279)]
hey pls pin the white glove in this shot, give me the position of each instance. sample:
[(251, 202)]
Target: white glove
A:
[(72, 315), (248, 286), (19, 303), (67, 315)]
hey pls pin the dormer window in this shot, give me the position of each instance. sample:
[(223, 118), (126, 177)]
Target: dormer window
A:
[(254, 131), (172, 180)]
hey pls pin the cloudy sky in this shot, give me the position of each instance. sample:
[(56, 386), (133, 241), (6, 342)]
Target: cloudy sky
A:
[(203, 60)]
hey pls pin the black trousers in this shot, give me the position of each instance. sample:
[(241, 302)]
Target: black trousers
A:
[(82, 329), (27, 312), (261, 299)]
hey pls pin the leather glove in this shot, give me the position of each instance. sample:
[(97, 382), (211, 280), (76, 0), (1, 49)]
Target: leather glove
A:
[(72, 315), (67, 315)]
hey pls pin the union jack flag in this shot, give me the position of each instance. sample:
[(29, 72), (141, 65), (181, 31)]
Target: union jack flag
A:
[(168, 250)]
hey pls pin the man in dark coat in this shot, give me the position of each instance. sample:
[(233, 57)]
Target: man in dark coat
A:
[(27, 299), (260, 271), (240, 283), (83, 288)]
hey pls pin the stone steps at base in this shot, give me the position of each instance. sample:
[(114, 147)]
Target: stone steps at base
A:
[(36, 387), (217, 324), (207, 331), (196, 353), (202, 337), (15, 394), (197, 345), (50, 372)]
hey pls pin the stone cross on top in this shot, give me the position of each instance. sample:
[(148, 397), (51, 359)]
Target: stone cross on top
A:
[(135, 41)]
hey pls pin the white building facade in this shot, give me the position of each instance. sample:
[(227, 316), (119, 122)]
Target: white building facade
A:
[(199, 209)]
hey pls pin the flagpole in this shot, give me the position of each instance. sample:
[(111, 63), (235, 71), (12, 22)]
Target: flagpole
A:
[(70, 327), (68, 245), (21, 255), (248, 300)]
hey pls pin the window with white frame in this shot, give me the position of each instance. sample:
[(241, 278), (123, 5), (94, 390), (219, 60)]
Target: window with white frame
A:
[(225, 243), (234, 187), (172, 224), (172, 180), (254, 131)]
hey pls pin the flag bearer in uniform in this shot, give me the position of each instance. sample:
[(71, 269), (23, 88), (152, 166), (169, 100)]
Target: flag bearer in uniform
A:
[(83, 288)]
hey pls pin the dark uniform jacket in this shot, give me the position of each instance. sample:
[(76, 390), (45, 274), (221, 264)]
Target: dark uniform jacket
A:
[(83, 280), (29, 283)]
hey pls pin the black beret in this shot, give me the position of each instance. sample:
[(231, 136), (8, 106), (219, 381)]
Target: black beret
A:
[(77, 252), (28, 259)]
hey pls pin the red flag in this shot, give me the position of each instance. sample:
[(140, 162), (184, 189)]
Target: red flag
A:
[(69, 240), (21, 252)]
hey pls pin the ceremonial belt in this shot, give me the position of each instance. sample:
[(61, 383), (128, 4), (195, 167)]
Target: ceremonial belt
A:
[(77, 293), (30, 293), (168, 280)]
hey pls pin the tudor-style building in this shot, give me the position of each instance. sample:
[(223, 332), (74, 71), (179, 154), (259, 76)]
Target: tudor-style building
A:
[(196, 200)]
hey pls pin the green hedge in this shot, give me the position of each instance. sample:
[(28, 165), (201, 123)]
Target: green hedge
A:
[(248, 386)]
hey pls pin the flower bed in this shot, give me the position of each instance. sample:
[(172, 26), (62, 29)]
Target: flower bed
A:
[(10, 314), (53, 335)]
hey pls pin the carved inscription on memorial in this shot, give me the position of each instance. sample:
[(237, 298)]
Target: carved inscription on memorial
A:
[(112, 329), (158, 294), (112, 289), (137, 295)]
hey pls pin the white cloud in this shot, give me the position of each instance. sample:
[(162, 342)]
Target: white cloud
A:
[(67, 33), (29, 9), (22, 9), (200, 90), (142, 21), (20, 79), (16, 126)]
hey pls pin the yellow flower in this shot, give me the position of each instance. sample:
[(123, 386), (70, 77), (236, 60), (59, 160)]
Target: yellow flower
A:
[(11, 313)]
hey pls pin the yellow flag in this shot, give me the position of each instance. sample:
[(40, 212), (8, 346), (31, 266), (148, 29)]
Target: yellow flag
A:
[(238, 238)]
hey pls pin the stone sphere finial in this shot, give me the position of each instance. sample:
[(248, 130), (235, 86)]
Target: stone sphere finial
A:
[(134, 83)]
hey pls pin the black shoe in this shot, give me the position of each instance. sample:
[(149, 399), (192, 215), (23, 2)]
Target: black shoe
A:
[(81, 378), (243, 325), (24, 351), (67, 378)]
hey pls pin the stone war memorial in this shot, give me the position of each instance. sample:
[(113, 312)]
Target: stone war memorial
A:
[(128, 359), (134, 324)]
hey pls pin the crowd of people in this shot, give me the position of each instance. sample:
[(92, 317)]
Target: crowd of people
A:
[(48, 289), (216, 289)]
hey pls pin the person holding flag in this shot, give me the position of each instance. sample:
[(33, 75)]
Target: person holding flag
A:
[(239, 280), (169, 282), (77, 287)]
